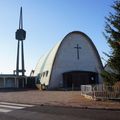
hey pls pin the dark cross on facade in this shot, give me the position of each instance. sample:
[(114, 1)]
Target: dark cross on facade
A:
[(77, 48)]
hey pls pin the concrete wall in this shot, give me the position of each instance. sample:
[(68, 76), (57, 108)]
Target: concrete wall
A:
[(66, 59)]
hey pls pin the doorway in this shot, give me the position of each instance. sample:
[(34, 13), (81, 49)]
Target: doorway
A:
[(74, 79)]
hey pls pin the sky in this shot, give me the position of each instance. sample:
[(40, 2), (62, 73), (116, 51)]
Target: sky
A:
[(46, 23)]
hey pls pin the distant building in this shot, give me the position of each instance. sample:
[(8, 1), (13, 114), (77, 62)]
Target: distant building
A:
[(12, 81), (70, 63)]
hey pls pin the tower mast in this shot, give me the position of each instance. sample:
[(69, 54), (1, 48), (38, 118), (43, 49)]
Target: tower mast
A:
[(20, 36)]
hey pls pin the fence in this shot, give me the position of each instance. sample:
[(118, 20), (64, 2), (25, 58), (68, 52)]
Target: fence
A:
[(85, 89), (101, 91)]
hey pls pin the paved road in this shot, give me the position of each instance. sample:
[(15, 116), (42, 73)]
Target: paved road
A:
[(31, 112)]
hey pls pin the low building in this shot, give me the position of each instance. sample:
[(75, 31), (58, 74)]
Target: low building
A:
[(13, 81)]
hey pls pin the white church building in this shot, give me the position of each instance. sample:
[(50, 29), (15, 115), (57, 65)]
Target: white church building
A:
[(72, 62)]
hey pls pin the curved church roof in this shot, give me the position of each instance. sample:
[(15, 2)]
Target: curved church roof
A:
[(46, 62)]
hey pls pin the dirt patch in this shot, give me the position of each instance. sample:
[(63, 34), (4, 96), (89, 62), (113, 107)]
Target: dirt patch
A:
[(61, 98)]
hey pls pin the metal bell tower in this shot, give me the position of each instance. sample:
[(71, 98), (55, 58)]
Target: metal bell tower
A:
[(20, 35)]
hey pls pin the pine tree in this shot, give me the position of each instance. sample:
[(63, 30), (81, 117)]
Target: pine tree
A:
[(112, 35)]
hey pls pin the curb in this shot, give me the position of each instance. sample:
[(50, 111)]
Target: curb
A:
[(81, 107)]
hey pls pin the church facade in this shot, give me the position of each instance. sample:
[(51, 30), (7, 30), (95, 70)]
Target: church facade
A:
[(72, 62)]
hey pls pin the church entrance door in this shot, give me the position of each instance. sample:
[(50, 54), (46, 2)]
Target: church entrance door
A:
[(74, 79)]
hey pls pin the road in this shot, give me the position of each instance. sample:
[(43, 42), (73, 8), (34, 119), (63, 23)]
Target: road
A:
[(39, 112)]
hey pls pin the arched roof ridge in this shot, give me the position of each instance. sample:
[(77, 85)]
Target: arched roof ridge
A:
[(88, 39)]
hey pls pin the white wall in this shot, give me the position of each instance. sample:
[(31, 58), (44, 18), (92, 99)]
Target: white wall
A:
[(66, 59)]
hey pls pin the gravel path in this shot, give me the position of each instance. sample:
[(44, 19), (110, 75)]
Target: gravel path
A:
[(61, 98)]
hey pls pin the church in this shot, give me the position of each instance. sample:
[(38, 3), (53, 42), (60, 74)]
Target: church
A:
[(72, 62)]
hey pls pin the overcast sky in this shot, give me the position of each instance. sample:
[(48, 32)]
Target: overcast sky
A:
[(46, 23)]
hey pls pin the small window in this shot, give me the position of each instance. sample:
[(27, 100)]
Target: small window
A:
[(40, 75), (43, 74), (46, 73)]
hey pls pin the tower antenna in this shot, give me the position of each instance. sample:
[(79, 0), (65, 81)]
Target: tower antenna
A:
[(21, 19), (20, 36)]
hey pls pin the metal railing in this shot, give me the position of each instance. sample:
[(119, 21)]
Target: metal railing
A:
[(101, 91)]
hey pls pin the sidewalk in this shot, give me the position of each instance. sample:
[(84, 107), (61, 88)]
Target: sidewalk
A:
[(58, 98)]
